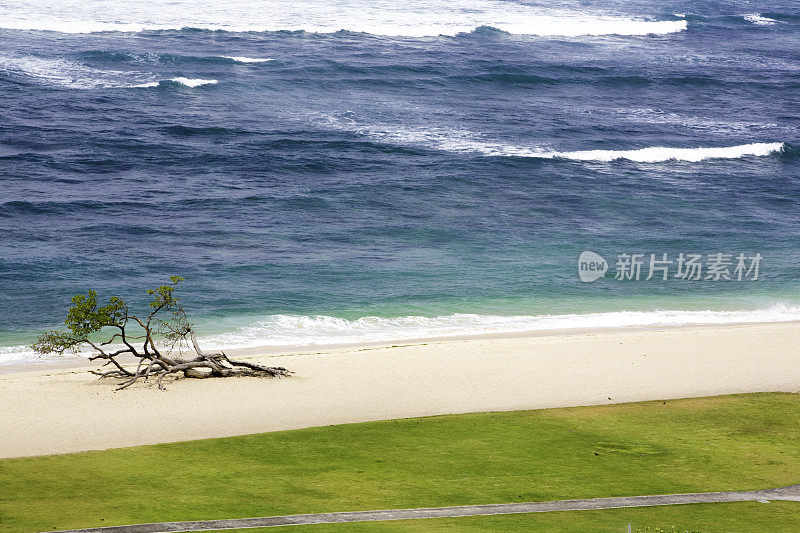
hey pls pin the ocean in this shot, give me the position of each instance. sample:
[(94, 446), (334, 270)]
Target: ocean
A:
[(378, 171)]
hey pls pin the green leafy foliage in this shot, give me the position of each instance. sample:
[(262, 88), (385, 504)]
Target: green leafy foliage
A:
[(55, 341), (86, 317), (165, 294)]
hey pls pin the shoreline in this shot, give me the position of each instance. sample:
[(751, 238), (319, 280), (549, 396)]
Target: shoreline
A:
[(70, 410), (74, 362)]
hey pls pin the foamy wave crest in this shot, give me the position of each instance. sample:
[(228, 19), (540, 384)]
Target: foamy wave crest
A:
[(288, 331), (464, 142), (758, 19), (553, 27), (16, 354), (188, 82), (300, 331), (68, 25), (408, 18), (68, 74), (240, 59), (657, 154), (193, 82)]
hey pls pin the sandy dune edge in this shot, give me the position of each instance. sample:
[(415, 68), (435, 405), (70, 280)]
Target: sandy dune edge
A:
[(63, 411)]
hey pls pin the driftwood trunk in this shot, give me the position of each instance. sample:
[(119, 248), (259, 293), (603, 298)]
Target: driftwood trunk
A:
[(203, 365)]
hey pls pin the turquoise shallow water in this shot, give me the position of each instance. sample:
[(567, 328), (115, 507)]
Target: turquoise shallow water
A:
[(397, 179)]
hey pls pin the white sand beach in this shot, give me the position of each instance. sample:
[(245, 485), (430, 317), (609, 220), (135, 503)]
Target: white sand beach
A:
[(68, 410)]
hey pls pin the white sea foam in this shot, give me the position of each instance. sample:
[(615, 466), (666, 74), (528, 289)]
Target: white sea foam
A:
[(286, 331), (757, 18), (298, 331), (655, 154), (69, 74), (71, 25), (380, 17), (240, 59), (466, 142), (193, 82), (147, 84), (188, 82)]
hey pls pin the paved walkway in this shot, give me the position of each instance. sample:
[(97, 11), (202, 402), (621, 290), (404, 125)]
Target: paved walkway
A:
[(791, 493)]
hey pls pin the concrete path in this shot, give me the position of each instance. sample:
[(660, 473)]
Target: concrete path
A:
[(791, 493)]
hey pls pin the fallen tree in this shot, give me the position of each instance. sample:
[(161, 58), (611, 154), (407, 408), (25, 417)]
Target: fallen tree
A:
[(134, 355)]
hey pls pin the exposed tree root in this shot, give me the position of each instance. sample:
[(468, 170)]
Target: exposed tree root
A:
[(204, 365), (216, 365)]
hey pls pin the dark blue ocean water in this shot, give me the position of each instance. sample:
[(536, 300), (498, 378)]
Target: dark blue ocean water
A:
[(350, 174)]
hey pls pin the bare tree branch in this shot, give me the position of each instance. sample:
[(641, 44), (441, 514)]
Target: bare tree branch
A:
[(166, 319)]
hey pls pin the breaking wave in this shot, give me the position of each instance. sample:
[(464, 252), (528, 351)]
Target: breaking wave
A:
[(406, 18), (187, 82), (461, 142), (656, 154), (240, 59), (68, 74), (299, 331), (296, 331), (759, 19), (72, 75)]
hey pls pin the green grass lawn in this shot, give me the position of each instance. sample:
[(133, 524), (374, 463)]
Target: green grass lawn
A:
[(697, 445)]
